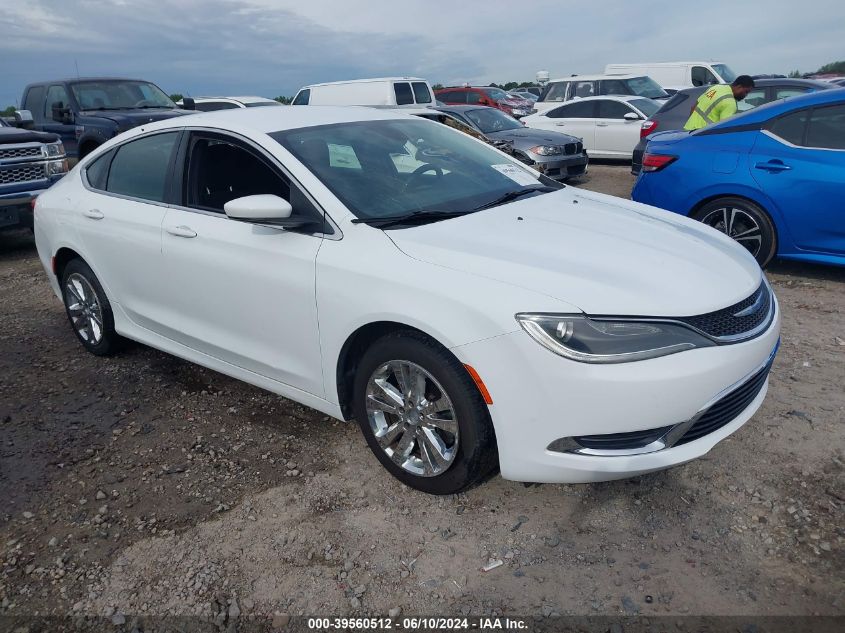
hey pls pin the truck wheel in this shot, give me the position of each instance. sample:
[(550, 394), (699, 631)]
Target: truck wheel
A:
[(88, 309), (423, 416)]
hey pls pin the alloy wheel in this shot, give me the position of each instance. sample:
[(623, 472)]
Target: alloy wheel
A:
[(412, 418), (83, 305), (737, 224)]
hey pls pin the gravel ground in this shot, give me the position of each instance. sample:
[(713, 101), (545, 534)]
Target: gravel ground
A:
[(141, 484)]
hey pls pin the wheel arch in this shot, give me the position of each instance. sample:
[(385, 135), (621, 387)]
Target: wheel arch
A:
[(61, 259)]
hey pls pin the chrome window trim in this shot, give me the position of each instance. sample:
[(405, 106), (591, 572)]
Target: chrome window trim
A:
[(783, 141)]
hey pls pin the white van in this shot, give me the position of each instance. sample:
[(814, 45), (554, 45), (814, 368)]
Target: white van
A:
[(678, 75), (382, 91)]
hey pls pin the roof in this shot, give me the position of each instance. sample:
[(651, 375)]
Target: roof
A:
[(762, 83), (698, 63), (623, 98), (360, 81), (595, 77), (244, 99), (83, 79)]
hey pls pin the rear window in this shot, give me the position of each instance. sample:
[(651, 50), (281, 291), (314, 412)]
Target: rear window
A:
[(404, 95), (674, 101), (421, 92), (211, 106), (646, 106)]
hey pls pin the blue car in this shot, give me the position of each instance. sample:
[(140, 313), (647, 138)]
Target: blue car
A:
[(772, 178)]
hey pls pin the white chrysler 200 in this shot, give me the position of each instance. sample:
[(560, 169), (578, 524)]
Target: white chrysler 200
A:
[(469, 313)]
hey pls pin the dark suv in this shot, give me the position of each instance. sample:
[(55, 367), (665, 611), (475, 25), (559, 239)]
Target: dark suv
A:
[(674, 113), (486, 96), (86, 112)]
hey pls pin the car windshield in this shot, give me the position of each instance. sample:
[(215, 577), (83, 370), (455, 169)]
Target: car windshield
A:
[(725, 72), (119, 95), (646, 106), (645, 87), (496, 94), (390, 168), (492, 120)]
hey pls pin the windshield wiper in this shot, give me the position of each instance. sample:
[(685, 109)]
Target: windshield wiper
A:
[(422, 216), (513, 195), (167, 107)]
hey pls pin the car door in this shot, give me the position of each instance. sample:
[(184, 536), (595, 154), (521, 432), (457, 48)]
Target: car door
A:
[(58, 95), (240, 292), (575, 118), (798, 161), (119, 221), (616, 136)]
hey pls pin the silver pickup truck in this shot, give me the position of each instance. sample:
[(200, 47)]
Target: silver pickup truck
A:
[(29, 163)]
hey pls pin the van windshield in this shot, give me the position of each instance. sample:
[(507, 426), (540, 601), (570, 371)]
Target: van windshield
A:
[(725, 72)]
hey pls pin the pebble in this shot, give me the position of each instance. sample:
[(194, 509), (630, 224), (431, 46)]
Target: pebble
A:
[(53, 542), (28, 515), (395, 612), (100, 495), (280, 620), (355, 603)]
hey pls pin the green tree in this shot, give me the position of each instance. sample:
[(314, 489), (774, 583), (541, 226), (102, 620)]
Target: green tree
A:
[(794, 74), (437, 87), (10, 111), (832, 67), (284, 100), (176, 97)]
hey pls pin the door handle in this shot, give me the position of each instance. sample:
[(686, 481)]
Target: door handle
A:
[(560, 124), (94, 214), (181, 231), (599, 124), (773, 166)]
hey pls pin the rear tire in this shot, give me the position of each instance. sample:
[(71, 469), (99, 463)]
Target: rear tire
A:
[(88, 309), (745, 222), (423, 416)]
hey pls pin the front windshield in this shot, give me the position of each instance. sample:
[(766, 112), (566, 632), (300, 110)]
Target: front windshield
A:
[(645, 87), (119, 95), (496, 94), (491, 120), (725, 72), (387, 168)]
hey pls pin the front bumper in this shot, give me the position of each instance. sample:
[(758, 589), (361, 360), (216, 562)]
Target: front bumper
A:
[(561, 168), (16, 206), (539, 397)]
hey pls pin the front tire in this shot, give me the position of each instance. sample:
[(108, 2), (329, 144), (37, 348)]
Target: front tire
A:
[(88, 309), (743, 221), (423, 416)]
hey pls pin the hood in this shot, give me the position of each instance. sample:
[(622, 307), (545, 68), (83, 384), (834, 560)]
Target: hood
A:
[(606, 255), (10, 135), (530, 137), (126, 119)]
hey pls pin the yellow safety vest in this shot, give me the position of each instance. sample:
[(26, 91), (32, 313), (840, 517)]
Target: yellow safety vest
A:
[(715, 104)]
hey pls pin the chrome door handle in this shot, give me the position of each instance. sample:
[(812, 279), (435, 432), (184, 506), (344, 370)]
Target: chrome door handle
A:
[(94, 214), (601, 124), (773, 165), (181, 231), (560, 124)]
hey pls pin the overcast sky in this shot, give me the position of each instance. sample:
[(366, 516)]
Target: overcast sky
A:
[(273, 47)]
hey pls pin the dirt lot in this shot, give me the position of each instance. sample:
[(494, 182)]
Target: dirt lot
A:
[(143, 484)]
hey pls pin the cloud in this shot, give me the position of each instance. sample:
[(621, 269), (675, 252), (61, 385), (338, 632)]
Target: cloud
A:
[(273, 47)]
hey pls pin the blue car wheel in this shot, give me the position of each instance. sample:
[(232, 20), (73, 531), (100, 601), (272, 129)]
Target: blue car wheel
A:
[(743, 221)]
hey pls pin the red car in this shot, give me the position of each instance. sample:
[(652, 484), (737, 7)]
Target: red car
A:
[(487, 96)]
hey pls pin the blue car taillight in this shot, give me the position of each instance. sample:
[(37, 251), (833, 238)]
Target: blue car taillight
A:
[(656, 162)]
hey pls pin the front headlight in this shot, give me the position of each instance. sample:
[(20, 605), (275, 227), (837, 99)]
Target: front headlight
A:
[(56, 167), (547, 150), (55, 149), (608, 340)]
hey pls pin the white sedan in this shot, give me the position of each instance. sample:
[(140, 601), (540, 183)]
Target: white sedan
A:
[(609, 125), (469, 313)]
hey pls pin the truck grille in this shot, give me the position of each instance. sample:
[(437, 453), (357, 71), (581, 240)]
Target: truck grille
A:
[(728, 407), (24, 173), (19, 152), (738, 319)]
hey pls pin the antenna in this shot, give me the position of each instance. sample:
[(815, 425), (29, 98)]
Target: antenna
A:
[(75, 63)]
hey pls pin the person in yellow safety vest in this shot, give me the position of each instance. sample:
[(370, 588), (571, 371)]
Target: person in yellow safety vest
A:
[(718, 103)]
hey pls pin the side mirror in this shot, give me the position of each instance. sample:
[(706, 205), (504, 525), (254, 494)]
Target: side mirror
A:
[(188, 103), (23, 119), (632, 116), (61, 114), (265, 209)]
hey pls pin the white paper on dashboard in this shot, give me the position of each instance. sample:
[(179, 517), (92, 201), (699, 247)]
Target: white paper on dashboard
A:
[(517, 174)]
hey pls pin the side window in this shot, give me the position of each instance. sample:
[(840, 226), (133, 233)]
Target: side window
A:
[(302, 97), (56, 96), (474, 97), (220, 171), (34, 98), (614, 87), (211, 106), (404, 95), (582, 110), (702, 77), (784, 93), (557, 92), (755, 98), (140, 168), (827, 128), (583, 89), (790, 127), (421, 92), (612, 109), (97, 172)]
